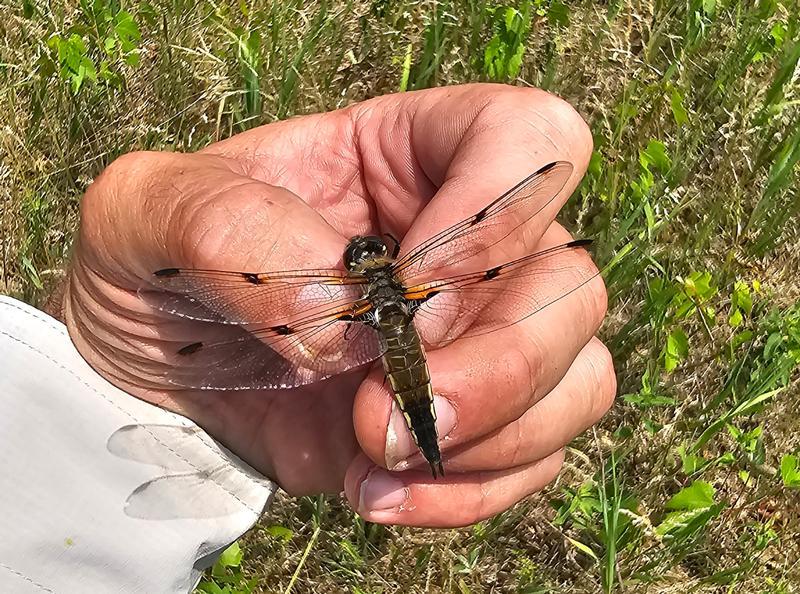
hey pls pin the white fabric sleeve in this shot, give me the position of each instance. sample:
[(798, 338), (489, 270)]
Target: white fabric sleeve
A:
[(99, 491)]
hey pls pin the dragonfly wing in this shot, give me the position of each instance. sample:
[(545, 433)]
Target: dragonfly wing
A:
[(473, 304), (246, 297), (485, 228), (275, 357)]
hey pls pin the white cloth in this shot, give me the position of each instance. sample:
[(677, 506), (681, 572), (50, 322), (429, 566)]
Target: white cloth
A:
[(99, 491)]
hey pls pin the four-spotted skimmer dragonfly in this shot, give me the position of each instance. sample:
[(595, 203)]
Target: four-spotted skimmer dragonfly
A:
[(310, 325)]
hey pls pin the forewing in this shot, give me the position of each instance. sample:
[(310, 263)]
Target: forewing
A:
[(273, 357), (474, 304), (487, 227), (247, 297)]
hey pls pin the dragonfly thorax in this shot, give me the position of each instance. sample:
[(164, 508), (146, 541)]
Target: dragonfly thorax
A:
[(365, 252)]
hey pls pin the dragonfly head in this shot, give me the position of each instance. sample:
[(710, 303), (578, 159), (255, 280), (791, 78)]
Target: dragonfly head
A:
[(363, 252)]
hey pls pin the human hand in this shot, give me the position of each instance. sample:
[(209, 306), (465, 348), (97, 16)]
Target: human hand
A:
[(289, 195)]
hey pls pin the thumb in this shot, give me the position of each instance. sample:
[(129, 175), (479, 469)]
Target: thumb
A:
[(149, 211)]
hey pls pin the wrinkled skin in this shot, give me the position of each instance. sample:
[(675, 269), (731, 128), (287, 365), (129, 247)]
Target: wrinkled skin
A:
[(289, 195)]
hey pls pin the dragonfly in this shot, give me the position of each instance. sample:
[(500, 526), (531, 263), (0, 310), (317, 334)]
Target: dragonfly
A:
[(288, 328)]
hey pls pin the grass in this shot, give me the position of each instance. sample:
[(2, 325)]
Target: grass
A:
[(692, 482)]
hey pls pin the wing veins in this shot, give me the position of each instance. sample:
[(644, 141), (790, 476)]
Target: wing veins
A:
[(504, 271), (481, 221), (299, 329)]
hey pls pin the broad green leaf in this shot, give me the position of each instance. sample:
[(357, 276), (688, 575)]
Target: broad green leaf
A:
[(680, 525), (596, 164), (651, 426), (741, 297), (232, 556), (646, 400), (790, 471), (698, 284), (698, 495), (690, 463), (133, 58), (678, 110), (280, 532), (558, 14), (655, 154), (677, 349), (675, 520), (511, 13), (736, 318), (126, 28)]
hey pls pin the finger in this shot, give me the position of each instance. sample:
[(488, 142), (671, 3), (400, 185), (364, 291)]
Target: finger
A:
[(484, 383), (330, 178), (149, 211), (579, 400), (473, 142), (413, 498), (462, 144), (155, 210)]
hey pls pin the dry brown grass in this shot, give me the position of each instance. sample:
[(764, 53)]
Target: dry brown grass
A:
[(619, 64)]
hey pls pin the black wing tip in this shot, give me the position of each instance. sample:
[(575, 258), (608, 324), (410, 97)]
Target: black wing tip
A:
[(437, 470), (580, 242), (551, 165), (191, 348), (167, 272), (545, 168)]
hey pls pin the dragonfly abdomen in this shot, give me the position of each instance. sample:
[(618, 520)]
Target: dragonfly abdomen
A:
[(407, 371)]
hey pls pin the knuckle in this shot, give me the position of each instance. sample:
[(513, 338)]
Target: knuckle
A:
[(598, 300), (594, 296), (224, 216), (517, 453), (566, 122), (526, 365), (127, 173), (603, 386)]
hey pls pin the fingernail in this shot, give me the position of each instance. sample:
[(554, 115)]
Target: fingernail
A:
[(382, 492), (399, 443)]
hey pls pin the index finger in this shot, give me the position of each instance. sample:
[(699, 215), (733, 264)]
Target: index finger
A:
[(445, 151), (480, 140)]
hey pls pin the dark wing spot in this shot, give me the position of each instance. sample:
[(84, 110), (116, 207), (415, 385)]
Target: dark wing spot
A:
[(282, 330), (167, 272), (579, 242), (251, 278), (191, 348), (492, 273), (546, 168), (480, 216)]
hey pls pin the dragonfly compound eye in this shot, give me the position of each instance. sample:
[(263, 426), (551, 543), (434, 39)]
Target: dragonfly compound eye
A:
[(361, 250)]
